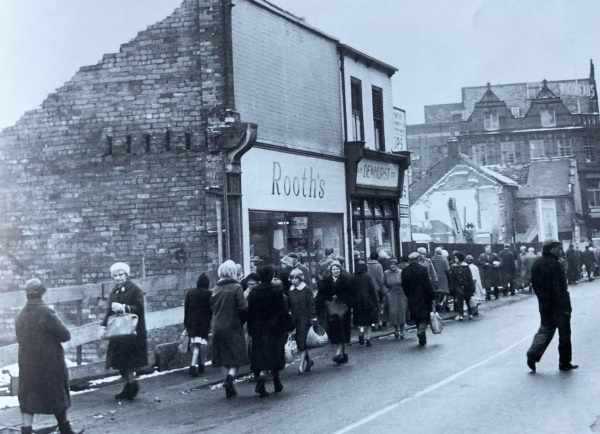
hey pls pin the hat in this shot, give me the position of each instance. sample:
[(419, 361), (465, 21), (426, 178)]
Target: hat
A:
[(421, 250), (335, 263), (286, 260), (393, 260), (414, 255), (120, 266), (34, 288), (506, 245), (551, 243)]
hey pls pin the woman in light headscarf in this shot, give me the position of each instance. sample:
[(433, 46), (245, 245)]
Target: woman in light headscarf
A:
[(397, 303), (302, 308), (126, 353), (229, 309)]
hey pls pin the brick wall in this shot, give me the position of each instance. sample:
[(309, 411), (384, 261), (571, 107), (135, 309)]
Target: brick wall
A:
[(113, 165), (287, 80)]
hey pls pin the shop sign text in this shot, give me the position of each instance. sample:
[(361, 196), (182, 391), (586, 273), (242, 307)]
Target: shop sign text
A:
[(309, 185), (377, 174)]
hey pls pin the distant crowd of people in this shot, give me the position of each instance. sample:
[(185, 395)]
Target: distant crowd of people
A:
[(251, 318)]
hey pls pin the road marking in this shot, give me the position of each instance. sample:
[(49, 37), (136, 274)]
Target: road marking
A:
[(431, 388)]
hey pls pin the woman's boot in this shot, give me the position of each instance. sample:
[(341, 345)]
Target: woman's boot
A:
[(124, 393), (65, 428), (277, 382), (230, 391), (134, 388), (260, 386)]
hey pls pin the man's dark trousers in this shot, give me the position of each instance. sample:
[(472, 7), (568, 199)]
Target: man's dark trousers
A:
[(544, 336)]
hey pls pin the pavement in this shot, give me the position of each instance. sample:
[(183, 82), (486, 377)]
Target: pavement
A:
[(96, 406)]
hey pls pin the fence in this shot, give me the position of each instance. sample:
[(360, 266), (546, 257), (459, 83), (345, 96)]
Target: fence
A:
[(83, 306)]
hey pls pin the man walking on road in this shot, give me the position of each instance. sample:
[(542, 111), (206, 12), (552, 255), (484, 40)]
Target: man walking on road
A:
[(550, 287), (419, 292)]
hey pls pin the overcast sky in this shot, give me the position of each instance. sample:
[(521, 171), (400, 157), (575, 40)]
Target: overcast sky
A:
[(438, 46)]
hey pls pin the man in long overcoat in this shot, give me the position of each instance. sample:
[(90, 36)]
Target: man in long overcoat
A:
[(419, 292), (573, 263), (550, 287), (589, 260), (490, 268), (43, 375), (508, 270)]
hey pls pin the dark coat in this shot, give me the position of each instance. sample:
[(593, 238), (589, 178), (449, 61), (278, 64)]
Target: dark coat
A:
[(43, 375), (490, 273), (589, 260), (550, 286), (419, 291), (128, 352), (197, 312), (508, 269), (302, 308), (337, 329), (366, 300), (268, 319), (461, 279), (229, 309)]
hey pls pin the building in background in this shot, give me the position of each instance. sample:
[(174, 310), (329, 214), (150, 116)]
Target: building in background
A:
[(517, 124), (216, 133)]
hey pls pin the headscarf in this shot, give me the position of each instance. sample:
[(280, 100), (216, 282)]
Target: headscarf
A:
[(117, 266), (227, 269)]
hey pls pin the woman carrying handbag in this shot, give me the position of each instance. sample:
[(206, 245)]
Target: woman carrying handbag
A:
[(126, 353)]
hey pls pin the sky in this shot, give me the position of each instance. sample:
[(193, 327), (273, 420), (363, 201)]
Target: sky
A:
[(438, 46)]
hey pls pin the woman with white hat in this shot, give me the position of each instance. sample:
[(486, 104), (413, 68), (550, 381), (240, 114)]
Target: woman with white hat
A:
[(126, 353)]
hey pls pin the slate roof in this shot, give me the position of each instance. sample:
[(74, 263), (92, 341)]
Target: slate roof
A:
[(518, 172), (547, 178)]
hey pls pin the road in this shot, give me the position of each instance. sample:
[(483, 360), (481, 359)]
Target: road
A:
[(472, 378)]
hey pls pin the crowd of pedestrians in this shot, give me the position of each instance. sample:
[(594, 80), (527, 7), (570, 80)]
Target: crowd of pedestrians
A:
[(251, 318)]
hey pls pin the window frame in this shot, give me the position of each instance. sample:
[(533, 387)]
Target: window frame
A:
[(357, 110), (378, 115), (491, 121), (590, 151), (508, 156), (540, 147), (550, 116)]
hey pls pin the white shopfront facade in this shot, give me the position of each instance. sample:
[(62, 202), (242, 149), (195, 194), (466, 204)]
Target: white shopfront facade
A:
[(292, 202)]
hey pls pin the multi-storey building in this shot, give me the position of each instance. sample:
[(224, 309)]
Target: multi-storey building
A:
[(224, 131), (505, 125)]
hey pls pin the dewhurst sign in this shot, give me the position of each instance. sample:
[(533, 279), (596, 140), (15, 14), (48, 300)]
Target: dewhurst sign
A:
[(373, 173)]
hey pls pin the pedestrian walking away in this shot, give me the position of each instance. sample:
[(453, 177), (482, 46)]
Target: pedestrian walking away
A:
[(43, 375), (508, 270), (490, 269), (461, 281), (126, 353), (419, 292), (268, 322), (366, 303), (196, 319), (442, 270), (550, 287), (589, 260), (229, 309)]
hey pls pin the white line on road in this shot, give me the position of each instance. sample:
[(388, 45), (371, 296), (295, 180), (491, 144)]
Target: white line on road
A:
[(428, 389)]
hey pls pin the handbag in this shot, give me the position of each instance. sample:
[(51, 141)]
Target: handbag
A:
[(316, 337), (336, 309), (184, 342), (121, 324), (291, 348), (436, 323), (474, 306)]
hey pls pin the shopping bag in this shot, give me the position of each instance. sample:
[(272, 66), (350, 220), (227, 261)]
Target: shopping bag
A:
[(335, 309), (316, 337), (436, 323), (474, 306), (121, 324), (291, 348), (184, 342)]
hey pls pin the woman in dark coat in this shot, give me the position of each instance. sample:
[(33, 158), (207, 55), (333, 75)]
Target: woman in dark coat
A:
[(302, 308), (268, 320), (337, 284), (43, 375), (197, 315), (229, 309), (419, 292), (366, 302), (128, 352), (461, 280)]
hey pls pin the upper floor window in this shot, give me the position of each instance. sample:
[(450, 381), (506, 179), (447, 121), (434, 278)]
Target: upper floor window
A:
[(536, 149), (593, 195), (516, 111), (590, 149), (358, 132), (378, 118), (480, 154), (548, 118), (508, 153), (563, 147), (491, 121)]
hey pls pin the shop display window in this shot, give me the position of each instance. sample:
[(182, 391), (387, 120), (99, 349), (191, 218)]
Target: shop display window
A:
[(275, 234), (374, 227)]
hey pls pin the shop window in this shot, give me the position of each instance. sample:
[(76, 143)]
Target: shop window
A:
[(375, 231), (276, 234)]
